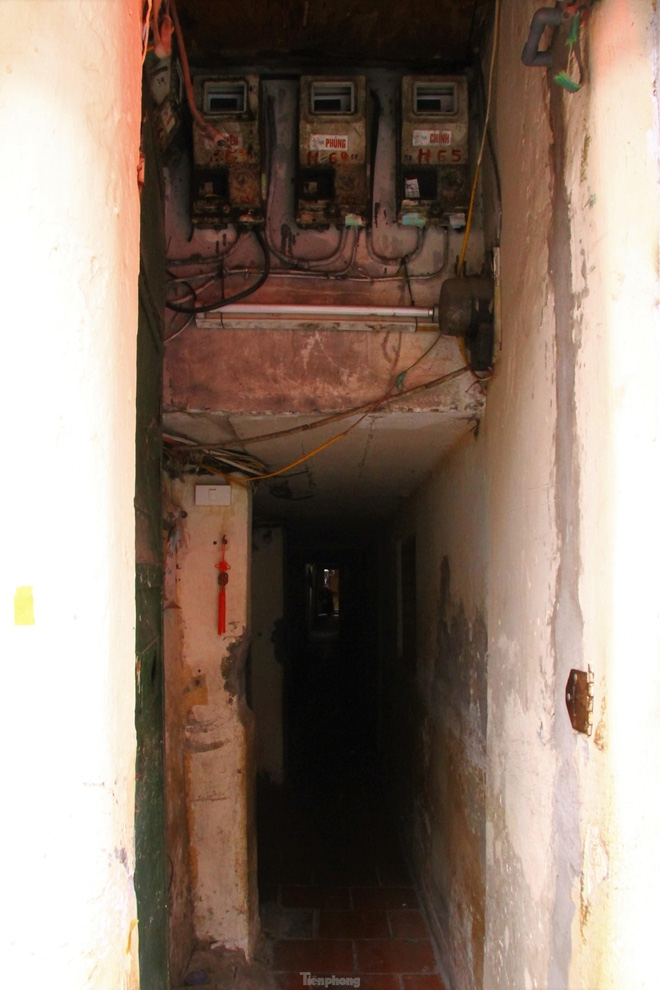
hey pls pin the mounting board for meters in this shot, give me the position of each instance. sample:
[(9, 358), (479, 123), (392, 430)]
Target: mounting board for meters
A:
[(227, 178), (333, 168), (433, 181)]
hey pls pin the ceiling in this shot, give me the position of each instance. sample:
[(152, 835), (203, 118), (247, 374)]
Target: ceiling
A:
[(443, 31), (229, 387)]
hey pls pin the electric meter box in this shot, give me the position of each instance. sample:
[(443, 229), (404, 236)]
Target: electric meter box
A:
[(227, 178), (166, 85), (332, 182), (433, 174)]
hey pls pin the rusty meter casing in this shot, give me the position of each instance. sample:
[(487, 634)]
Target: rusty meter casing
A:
[(332, 182), (227, 177), (433, 184)]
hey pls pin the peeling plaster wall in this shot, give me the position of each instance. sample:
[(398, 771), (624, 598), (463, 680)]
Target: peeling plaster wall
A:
[(266, 650), (70, 121), (218, 725), (177, 689), (573, 489), (614, 227), (437, 712)]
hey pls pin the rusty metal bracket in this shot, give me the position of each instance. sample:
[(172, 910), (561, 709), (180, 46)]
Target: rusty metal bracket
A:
[(580, 700)]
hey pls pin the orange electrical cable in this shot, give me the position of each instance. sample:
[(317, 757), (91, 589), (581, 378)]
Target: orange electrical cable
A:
[(468, 223)]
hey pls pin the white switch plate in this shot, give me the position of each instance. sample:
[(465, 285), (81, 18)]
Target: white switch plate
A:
[(212, 494)]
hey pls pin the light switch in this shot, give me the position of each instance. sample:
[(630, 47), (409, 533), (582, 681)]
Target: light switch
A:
[(212, 494)]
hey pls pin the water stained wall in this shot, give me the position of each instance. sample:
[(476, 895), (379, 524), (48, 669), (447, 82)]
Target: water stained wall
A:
[(436, 703)]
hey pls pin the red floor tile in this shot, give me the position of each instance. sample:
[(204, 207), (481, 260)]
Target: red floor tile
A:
[(395, 956), (288, 981), (289, 873), (380, 981), (316, 897), (408, 923), (430, 981), (373, 981), (346, 875), (353, 924), (314, 955), (385, 898)]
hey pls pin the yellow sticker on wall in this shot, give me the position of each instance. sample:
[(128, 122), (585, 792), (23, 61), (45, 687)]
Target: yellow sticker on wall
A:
[(24, 607)]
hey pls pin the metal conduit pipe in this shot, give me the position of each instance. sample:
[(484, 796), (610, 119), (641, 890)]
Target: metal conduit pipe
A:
[(544, 17), (410, 256), (264, 310), (304, 264)]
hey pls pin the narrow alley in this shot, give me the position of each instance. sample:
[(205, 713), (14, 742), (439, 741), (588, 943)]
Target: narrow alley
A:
[(330, 602)]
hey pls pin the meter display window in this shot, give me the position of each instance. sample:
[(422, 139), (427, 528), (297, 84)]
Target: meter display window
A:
[(435, 99), (225, 97), (333, 98)]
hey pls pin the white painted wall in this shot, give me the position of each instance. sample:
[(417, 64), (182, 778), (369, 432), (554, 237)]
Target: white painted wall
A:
[(70, 120), (219, 726), (573, 488), (267, 646), (615, 228)]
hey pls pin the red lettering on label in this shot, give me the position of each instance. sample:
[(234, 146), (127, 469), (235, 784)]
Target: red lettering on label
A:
[(424, 155), (442, 155)]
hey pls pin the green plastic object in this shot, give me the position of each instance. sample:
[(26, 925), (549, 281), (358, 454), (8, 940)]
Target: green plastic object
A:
[(564, 80)]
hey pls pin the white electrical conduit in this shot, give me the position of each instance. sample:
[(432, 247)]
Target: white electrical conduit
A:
[(266, 310)]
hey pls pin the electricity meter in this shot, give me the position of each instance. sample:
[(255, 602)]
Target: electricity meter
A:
[(227, 177), (332, 183), (433, 172)]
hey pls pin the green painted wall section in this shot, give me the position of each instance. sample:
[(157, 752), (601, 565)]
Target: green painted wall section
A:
[(151, 872)]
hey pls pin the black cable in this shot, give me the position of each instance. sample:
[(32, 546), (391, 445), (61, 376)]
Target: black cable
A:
[(218, 304)]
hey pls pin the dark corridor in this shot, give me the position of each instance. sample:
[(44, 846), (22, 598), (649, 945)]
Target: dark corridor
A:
[(336, 897)]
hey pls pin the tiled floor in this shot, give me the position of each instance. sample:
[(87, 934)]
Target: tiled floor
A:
[(336, 895)]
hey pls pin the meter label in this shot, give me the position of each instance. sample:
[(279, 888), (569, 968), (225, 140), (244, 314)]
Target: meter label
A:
[(328, 142), (432, 139)]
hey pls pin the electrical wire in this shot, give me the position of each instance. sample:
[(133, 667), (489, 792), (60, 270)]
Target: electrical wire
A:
[(372, 407), (146, 23), (412, 255), (493, 158), (338, 275), (292, 262), (184, 263), (393, 394), (218, 304), (491, 75), (177, 333), (211, 132), (317, 450)]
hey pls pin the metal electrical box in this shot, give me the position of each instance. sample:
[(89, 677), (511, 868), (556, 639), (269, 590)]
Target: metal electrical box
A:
[(166, 85), (333, 164), (433, 174), (227, 178)]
